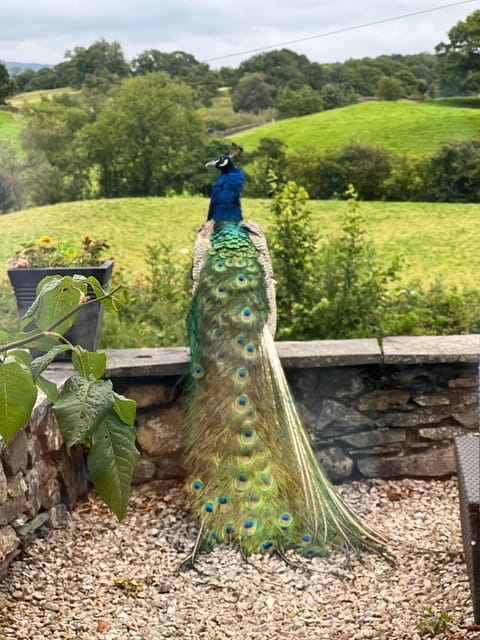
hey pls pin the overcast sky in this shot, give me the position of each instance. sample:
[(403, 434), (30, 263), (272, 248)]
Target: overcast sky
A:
[(42, 30)]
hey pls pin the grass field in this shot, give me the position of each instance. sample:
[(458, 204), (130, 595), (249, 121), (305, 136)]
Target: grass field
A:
[(436, 240), (22, 99), (402, 127), (220, 115), (10, 129)]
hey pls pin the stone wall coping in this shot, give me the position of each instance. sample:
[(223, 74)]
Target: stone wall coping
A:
[(173, 361), (329, 353), (431, 349)]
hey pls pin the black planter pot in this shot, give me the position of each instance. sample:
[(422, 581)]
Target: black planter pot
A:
[(85, 331)]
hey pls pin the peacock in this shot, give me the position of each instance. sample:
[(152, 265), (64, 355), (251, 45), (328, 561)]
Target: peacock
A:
[(252, 476)]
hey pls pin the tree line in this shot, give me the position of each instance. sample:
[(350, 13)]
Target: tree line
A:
[(269, 79), (452, 174)]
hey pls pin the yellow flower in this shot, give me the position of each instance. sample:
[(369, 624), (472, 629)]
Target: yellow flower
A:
[(45, 239)]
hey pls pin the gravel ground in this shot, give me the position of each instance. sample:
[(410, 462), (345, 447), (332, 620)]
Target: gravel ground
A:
[(96, 579)]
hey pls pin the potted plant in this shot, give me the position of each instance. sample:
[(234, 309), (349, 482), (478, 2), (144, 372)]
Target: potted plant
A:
[(38, 259)]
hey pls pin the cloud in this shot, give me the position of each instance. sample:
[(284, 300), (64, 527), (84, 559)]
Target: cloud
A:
[(42, 30)]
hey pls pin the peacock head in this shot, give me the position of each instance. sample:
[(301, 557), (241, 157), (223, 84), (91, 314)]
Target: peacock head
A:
[(225, 162)]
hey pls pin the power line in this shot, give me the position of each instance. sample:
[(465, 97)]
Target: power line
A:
[(342, 30)]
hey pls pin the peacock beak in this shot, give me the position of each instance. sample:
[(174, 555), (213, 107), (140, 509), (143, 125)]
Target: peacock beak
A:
[(211, 163)]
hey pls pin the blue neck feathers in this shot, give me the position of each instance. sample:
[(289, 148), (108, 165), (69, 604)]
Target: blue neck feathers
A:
[(225, 200)]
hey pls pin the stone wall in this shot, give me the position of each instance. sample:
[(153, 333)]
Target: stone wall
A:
[(39, 480), (371, 411)]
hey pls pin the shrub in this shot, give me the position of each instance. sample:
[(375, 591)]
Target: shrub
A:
[(291, 103), (340, 289), (437, 309), (351, 283), (152, 312), (389, 89), (293, 247), (455, 172), (321, 174)]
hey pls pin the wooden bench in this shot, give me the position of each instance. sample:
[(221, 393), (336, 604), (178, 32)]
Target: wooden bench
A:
[(467, 450)]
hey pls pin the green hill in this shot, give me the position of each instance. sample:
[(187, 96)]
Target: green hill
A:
[(437, 240), (10, 129), (402, 127)]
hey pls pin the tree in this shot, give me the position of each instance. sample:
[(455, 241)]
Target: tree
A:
[(408, 81), (101, 57), (253, 93), (269, 157), (455, 172), (459, 59), (142, 144), (389, 89), (366, 167), (336, 95), (179, 65), (12, 194), (51, 143), (7, 86), (290, 103), (281, 68)]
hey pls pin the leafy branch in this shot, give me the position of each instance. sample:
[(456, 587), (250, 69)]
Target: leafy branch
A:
[(87, 409), (48, 330)]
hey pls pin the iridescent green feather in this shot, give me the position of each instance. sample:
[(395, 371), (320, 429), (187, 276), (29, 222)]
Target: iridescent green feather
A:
[(253, 477)]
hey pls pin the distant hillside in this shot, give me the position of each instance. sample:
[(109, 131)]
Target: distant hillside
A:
[(23, 66), (403, 127)]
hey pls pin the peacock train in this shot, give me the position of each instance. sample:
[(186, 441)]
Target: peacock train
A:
[(253, 478)]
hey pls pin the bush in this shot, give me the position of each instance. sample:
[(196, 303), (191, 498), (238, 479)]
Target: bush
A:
[(322, 175), (455, 172), (292, 103), (152, 312), (346, 287), (367, 167), (293, 248), (328, 175), (438, 309), (389, 89), (340, 289), (268, 157), (9, 320)]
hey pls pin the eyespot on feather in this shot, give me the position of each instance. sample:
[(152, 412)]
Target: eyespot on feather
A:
[(241, 375), (249, 526), (285, 520), (197, 371), (250, 350)]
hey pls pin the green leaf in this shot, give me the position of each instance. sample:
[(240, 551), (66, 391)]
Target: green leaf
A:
[(47, 284), (17, 398), (55, 298), (48, 387), (125, 408), (81, 407), (89, 363), (21, 355), (3, 338), (111, 462), (99, 292), (45, 343), (41, 363)]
